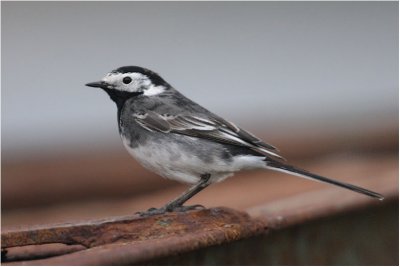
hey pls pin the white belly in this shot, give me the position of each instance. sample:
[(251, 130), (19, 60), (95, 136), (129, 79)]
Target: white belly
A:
[(169, 161)]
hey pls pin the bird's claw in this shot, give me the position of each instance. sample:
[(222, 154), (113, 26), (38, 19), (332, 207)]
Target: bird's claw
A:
[(151, 211), (155, 211), (185, 208)]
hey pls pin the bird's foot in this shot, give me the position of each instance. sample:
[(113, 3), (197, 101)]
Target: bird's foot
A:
[(169, 208), (184, 208), (151, 211)]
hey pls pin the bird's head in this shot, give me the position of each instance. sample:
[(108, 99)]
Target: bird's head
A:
[(131, 81)]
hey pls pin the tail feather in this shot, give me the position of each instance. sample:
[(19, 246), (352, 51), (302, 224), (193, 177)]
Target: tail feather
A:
[(308, 175)]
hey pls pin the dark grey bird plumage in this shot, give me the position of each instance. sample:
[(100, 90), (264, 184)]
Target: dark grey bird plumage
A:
[(179, 139)]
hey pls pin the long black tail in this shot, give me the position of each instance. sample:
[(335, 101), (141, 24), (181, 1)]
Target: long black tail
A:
[(305, 174)]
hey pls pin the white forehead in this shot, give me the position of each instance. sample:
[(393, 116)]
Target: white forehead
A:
[(115, 78)]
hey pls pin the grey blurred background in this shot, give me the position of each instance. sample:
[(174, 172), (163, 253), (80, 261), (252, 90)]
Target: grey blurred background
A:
[(279, 68), (319, 80)]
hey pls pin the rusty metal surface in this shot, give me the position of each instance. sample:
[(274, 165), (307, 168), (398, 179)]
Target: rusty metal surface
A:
[(134, 239), (364, 237)]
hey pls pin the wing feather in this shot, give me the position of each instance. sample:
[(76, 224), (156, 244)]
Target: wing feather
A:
[(212, 128)]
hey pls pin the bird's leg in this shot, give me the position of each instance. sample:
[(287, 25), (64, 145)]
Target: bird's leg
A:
[(176, 204)]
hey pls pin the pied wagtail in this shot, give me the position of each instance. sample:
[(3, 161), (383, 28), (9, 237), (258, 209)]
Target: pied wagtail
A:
[(177, 138)]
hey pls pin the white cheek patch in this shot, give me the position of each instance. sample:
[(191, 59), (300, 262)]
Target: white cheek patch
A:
[(139, 81), (154, 90), (113, 78)]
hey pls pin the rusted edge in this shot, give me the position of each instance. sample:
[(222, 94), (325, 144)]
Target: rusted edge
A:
[(138, 239), (31, 252)]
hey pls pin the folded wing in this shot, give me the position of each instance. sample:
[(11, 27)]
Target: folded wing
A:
[(211, 128)]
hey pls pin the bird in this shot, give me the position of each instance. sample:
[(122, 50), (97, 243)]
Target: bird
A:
[(179, 139)]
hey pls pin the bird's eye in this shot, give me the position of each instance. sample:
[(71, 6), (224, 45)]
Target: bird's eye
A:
[(127, 80)]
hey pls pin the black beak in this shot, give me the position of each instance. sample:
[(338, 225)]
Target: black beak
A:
[(100, 84)]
